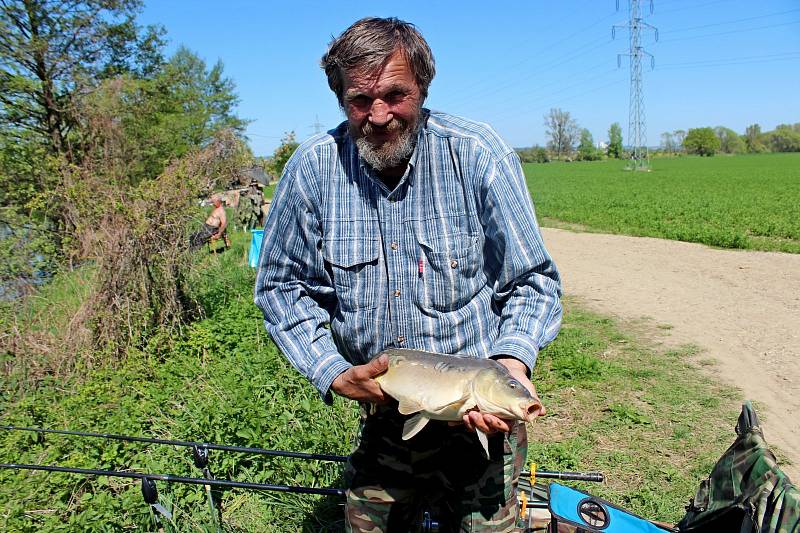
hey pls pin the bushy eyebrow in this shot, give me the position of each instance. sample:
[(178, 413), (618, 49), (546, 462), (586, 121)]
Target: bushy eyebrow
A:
[(395, 87)]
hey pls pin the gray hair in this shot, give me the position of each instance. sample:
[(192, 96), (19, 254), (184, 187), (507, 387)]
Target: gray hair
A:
[(369, 43)]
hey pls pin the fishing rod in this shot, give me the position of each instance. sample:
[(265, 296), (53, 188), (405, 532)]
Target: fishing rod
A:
[(596, 477), (186, 444), (171, 478), (200, 455), (150, 491)]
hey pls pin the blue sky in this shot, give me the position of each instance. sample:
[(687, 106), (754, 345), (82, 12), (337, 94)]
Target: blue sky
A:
[(717, 62)]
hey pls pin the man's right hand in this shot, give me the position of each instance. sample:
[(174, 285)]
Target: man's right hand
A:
[(358, 382)]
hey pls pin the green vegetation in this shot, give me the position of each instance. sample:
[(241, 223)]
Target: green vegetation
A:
[(645, 417), (88, 98), (732, 202), (701, 141), (641, 416), (275, 163), (222, 381)]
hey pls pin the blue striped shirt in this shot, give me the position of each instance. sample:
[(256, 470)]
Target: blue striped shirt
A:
[(449, 261)]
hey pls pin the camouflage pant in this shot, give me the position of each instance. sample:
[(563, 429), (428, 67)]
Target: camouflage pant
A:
[(442, 470)]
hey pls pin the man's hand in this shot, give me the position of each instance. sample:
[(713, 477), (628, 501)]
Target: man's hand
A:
[(491, 424), (358, 383)]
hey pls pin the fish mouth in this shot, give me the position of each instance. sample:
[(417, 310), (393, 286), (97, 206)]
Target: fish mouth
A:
[(531, 410)]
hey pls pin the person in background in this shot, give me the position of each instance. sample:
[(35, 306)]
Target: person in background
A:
[(214, 228), (411, 228)]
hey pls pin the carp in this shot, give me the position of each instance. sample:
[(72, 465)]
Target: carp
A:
[(435, 386)]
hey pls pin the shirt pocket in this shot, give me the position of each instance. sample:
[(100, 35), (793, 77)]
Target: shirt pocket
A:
[(451, 271), (355, 270)]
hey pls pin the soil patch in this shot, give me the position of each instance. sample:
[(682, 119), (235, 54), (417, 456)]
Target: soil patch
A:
[(741, 308)]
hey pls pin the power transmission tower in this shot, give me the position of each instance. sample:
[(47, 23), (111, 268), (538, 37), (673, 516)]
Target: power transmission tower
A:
[(317, 126), (637, 127)]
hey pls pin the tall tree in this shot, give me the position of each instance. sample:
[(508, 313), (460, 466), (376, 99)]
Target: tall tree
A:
[(753, 140), (153, 121), (50, 49), (701, 141), (586, 149), (668, 142), (615, 141), (562, 130), (678, 137)]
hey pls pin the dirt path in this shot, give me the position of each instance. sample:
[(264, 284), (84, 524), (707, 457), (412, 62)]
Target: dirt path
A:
[(741, 307)]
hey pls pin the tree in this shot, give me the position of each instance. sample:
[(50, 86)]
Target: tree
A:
[(275, 164), (157, 120), (562, 130), (784, 138), (729, 140), (701, 141), (534, 154), (753, 139), (678, 137), (668, 142), (587, 150), (52, 49), (82, 86), (540, 154), (615, 141)]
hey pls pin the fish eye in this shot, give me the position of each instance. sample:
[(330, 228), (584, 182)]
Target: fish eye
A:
[(513, 384)]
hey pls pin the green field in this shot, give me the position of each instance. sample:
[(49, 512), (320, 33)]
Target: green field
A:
[(750, 202)]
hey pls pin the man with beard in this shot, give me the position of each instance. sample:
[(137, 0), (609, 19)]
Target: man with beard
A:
[(410, 228)]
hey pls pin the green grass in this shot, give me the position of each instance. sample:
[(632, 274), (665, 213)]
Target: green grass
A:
[(642, 416), (646, 418), (223, 382), (269, 190), (750, 202)]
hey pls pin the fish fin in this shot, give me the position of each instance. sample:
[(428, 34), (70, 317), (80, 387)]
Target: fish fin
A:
[(408, 407), (484, 441), (414, 425)]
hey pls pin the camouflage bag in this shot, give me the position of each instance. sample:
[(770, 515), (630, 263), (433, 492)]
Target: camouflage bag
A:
[(746, 491)]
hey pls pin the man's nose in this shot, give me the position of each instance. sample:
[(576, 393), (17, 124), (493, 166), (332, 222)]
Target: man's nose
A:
[(379, 113)]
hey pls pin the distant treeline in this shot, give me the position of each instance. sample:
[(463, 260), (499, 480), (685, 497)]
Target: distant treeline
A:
[(568, 141)]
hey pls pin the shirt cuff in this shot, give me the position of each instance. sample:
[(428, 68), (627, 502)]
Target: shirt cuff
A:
[(518, 347), (327, 371)]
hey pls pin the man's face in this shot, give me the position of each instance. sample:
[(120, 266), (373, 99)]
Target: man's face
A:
[(383, 110)]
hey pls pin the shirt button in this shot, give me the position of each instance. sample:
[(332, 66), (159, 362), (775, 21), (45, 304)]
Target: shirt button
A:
[(453, 263), (397, 293), (401, 339), (395, 246)]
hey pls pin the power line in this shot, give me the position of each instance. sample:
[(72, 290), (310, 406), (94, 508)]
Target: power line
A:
[(556, 103), (693, 6), (741, 30), (736, 21), (537, 54), (575, 54), (730, 62)]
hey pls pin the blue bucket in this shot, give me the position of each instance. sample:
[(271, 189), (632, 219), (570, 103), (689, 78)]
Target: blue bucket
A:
[(255, 247)]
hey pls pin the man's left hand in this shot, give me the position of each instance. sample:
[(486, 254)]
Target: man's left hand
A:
[(492, 424)]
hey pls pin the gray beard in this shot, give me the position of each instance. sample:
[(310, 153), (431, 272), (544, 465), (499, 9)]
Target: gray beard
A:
[(389, 154)]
